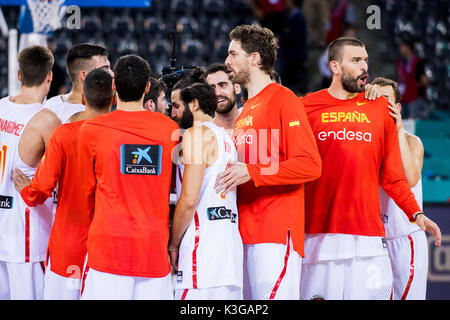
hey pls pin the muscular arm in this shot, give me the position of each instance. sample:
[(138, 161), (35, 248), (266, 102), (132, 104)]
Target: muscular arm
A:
[(411, 149), (47, 174), (34, 139), (194, 171)]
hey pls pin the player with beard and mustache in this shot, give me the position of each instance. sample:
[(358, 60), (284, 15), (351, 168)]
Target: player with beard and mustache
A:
[(205, 234), (277, 156), (216, 75), (179, 111), (357, 139)]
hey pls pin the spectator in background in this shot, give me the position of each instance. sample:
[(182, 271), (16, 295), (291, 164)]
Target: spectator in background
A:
[(412, 80), (293, 51), (155, 99), (270, 13), (342, 20), (316, 13), (341, 24)]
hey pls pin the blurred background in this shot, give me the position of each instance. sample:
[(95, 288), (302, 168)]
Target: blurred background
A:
[(402, 37)]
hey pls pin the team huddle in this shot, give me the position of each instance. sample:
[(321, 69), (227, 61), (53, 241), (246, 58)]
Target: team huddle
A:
[(315, 197)]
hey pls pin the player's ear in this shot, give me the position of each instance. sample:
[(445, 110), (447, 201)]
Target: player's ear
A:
[(19, 77), (194, 105), (237, 88), (147, 87), (50, 76), (83, 99), (82, 76), (114, 99), (399, 107), (255, 59), (149, 105), (114, 85), (335, 67)]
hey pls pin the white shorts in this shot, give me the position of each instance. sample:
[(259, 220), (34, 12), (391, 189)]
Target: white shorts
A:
[(271, 271), (217, 293), (409, 259), (106, 286), (61, 288), (359, 278), (22, 281)]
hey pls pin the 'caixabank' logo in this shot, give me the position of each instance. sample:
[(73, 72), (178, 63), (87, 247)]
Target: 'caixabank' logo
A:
[(140, 159)]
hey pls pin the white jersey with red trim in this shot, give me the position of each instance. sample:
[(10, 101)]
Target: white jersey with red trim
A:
[(396, 223), (211, 251), (63, 110), (24, 231)]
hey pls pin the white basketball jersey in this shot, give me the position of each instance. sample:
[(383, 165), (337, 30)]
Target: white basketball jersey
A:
[(24, 231), (64, 110), (211, 251), (396, 223)]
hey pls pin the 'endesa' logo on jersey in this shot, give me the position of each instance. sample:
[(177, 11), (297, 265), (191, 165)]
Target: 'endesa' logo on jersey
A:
[(345, 134), (220, 213)]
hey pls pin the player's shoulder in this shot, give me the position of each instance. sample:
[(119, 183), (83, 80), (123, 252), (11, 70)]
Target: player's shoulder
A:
[(53, 102), (313, 97), (414, 141), (46, 117)]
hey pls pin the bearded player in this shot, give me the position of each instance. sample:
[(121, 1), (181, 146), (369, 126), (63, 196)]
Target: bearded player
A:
[(347, 256)]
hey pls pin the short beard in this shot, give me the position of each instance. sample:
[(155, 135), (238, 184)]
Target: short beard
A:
[(351, 84), (187, 118), (229, 106), (241, 78)]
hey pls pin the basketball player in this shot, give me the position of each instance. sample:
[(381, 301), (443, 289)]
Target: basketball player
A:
[(25, 126), (205, 234), (155, 99), (178, 108), (406, 242), (126, 170), (277, 156), (81, 59), (216, 75), (67, 244), (357, 139)]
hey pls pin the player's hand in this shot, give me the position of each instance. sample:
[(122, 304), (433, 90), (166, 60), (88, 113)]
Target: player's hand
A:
[(395, 113), (173, 256), (426, 224), (19, 179), (371, 92), (235, 175)]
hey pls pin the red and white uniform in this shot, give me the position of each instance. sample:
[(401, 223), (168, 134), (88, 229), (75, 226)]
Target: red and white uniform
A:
[(408, 248), (125, 168), (210, 253), (358, 143), (24, 231), (273, 137), (67, 243), (63, 110)]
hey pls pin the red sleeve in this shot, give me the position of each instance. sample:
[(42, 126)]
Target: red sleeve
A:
[(301, 159), (47, 174), (86, 167), (392, 176)]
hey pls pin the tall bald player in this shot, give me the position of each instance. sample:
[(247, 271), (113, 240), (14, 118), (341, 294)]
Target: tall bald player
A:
[(25, 126), (81, 59)]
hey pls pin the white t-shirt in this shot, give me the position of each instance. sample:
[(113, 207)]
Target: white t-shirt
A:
[(64, 110), (396, 223), (24, 231), (211, 251)]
